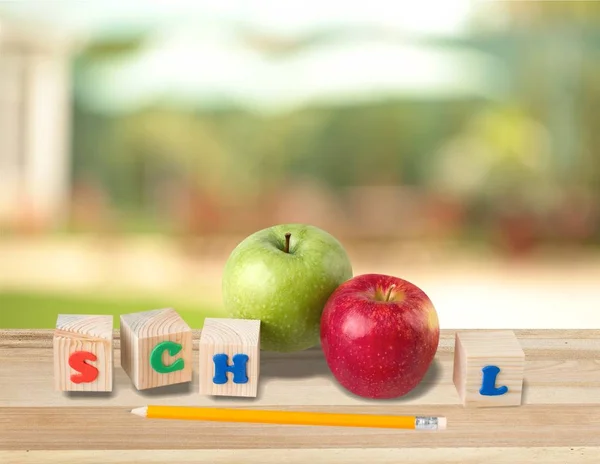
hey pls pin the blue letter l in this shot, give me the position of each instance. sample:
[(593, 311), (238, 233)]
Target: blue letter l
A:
[(488, 385)]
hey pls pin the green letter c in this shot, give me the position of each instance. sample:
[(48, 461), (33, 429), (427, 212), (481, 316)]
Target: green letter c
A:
[(156, 357)]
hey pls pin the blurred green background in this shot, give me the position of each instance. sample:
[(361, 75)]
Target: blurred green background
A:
[(454, 144)]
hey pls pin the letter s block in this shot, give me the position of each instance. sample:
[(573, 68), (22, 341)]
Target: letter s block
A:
[(229, 357), (488, 368), (83, 353), (156, 348)]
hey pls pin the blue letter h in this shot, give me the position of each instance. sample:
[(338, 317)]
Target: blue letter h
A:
[(238, 369)]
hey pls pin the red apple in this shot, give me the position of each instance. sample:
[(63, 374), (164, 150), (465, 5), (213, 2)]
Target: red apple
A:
[(379, 335)]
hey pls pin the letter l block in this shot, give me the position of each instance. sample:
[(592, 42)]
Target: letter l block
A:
[(488, 368)]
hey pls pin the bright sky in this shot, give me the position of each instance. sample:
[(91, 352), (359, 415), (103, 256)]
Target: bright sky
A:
[(290, 17), (193, 55)]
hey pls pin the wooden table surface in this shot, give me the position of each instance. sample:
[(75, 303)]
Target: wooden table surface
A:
[(558, 422)]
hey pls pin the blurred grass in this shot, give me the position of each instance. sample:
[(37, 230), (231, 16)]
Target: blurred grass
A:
[(26, 310)]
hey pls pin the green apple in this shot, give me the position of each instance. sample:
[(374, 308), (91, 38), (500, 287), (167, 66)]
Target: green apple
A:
[(283, 276)]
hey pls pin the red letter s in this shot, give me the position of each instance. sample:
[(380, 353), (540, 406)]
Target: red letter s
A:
[(88, 373)]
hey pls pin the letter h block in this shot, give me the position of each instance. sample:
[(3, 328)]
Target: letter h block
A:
[(488, 368), (156, 348), (83, 353), (229, 357)]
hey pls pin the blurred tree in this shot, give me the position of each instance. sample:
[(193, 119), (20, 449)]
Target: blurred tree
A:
[(229, 169)]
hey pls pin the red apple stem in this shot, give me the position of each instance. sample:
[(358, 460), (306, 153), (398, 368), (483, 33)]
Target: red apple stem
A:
[(287, 242), (389, 293)]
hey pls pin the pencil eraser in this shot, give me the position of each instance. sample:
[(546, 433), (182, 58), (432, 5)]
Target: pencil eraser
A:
[(442, 423)]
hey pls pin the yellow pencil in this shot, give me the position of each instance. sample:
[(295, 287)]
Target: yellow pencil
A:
[(291, 417)]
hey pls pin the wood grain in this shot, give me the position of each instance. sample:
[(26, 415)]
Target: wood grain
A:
[(558, 421), (496, 455)]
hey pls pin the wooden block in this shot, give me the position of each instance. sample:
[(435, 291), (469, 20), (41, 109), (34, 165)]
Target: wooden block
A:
[(229, 357), (83, 353), (156, 348), (488, 368)]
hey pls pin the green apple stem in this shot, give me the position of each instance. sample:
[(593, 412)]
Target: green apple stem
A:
[(389, 293), (287, 242)]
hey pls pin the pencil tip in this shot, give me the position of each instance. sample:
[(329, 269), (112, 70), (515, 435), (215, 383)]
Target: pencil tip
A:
[(139, 411)]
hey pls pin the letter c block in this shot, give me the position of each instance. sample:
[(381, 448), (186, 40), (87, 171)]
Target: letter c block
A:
[(229, 357), (488, 368), (156, 348)]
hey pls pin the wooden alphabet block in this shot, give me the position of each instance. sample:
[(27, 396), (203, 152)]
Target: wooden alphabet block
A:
[(488, 368), (229, 357), (83, 353), (156, 348)]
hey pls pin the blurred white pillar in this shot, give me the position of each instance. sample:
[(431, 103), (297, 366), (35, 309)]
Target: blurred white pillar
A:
[(47, 148), (34, 126), (11, 77)]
